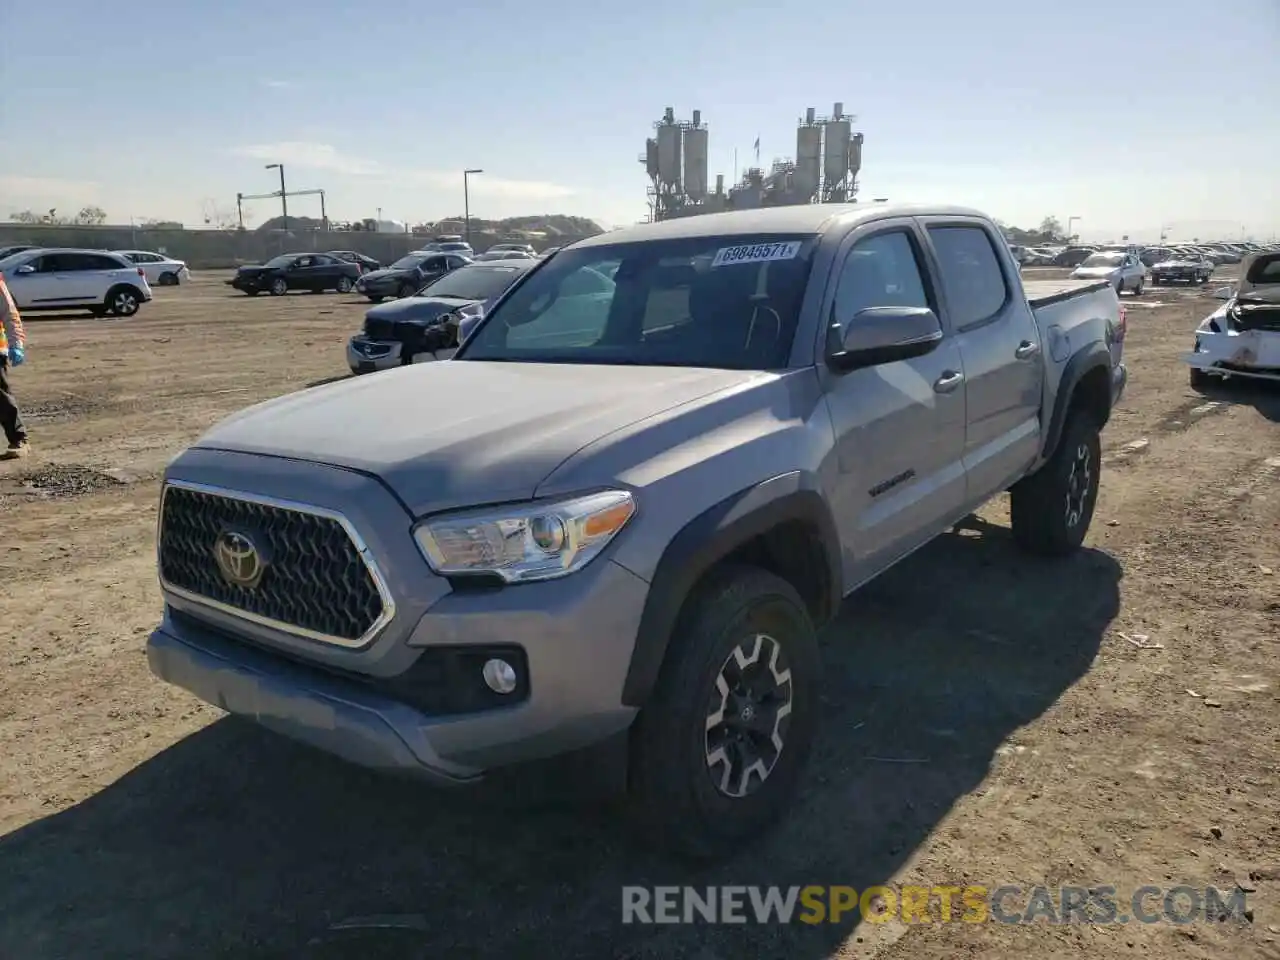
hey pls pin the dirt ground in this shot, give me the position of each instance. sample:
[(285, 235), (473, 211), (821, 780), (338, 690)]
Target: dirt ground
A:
[(1045, 747)]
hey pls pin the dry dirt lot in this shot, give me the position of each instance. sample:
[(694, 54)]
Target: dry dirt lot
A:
[(1047, 748)]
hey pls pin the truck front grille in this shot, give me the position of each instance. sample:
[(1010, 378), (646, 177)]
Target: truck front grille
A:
[(287, 566)]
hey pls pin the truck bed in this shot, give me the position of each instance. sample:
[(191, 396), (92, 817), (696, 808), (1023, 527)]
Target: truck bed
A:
[(1041, 293)]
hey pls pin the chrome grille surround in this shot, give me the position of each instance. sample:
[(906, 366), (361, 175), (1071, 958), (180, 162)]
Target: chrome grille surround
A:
[(323, 583)]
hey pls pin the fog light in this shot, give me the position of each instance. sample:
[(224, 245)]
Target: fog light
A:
[(500, 676)]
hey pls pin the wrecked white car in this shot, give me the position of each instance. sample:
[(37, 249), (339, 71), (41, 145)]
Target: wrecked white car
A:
[(1242, 337)]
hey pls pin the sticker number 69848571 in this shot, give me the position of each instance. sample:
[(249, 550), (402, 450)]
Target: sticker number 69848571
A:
[(756, 253)]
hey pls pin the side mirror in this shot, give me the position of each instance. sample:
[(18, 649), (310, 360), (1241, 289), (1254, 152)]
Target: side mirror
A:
[(1224, 293), (466, 325), (879, 335), (25, 269)]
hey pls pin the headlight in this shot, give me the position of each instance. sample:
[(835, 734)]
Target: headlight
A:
[(538, 541)]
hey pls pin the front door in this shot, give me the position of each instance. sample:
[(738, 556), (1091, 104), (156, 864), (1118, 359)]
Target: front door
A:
[(899, 427), (1000, 347)]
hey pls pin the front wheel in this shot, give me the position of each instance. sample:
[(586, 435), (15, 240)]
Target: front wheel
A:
[(1199, 379), (406, 290), (721, 744), (279, 287), (344, 284), (1050, 510)]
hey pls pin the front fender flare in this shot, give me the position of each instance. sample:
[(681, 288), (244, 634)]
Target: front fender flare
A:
[(706, 540)]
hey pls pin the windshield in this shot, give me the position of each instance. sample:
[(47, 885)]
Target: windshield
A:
[(407, 263), (1104, 260), (721, 302), (474, 283)]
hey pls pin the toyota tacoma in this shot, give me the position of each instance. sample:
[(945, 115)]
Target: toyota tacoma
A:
[(612, 528)]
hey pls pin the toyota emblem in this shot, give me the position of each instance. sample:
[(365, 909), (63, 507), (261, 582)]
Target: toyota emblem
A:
[(238, 559)]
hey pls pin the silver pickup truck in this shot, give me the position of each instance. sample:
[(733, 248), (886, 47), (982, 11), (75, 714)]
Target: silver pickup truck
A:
[(620, 542)]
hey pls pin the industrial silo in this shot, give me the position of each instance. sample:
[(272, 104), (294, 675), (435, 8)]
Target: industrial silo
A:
[(695, 162), (835, 157), (669, 154), (808, 158)]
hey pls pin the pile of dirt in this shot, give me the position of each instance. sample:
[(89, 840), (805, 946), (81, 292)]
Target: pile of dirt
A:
[(61, 481)]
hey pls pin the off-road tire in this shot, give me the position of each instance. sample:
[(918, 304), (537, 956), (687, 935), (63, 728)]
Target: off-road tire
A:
[(674, 792), (1041, 506)]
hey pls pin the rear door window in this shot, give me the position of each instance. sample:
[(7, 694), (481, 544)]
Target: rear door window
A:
[(972, 280)]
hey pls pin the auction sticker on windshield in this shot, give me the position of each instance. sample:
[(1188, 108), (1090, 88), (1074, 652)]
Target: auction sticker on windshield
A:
[(756, 253)]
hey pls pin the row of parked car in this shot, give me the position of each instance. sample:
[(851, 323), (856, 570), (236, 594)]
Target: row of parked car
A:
[(1218, 253), (348, 270), (103, 282)]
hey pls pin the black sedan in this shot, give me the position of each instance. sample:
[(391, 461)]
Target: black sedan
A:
[(425, 327), (1190, 268), (351, 256), (297, 271), (409, 274)]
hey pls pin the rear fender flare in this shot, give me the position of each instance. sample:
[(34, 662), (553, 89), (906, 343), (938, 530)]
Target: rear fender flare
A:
[(1085, 359), (709, 538)]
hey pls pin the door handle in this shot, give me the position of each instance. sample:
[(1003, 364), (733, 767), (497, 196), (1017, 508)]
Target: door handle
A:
[(1026, 350), (948, 382)]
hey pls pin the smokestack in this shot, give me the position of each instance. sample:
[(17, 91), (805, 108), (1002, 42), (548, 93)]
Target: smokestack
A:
[(670, 115), (839, 110), (719, 183), (697, 118), (808, 115)]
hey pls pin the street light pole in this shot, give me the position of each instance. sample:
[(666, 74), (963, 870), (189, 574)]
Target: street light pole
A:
[(1070, 232), (466, 203), (284, 197)]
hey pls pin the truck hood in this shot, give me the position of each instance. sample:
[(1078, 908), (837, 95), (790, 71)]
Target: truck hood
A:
[(463, 433)]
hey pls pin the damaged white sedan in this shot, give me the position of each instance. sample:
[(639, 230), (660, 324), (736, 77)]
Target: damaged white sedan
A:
[(1242, 337)]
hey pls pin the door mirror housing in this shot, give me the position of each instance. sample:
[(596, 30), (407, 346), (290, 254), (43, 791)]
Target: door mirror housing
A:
[(879, 335), (468, 323), (25, 269)]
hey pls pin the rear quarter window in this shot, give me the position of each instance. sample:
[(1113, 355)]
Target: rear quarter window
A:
[(972, 279)]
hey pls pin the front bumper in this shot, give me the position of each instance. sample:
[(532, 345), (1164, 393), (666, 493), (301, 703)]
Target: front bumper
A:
[(370, 356), (1251, 353), (576, 636), (380, 288)]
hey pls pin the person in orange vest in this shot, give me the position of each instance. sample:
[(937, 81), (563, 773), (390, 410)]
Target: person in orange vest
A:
[(13, 351)]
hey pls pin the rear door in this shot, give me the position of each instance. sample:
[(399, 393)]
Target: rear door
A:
[(899, 427), (1000, 347)]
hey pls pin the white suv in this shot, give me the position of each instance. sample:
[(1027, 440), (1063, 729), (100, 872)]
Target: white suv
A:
[(92, 280)]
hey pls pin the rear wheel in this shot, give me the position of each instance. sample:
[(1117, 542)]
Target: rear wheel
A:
[(279, 287), (1050, 510), (344, 284), (123, 301), (721, 744)]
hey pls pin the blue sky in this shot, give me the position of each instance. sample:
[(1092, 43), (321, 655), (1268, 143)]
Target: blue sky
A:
[(1129, 115)]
